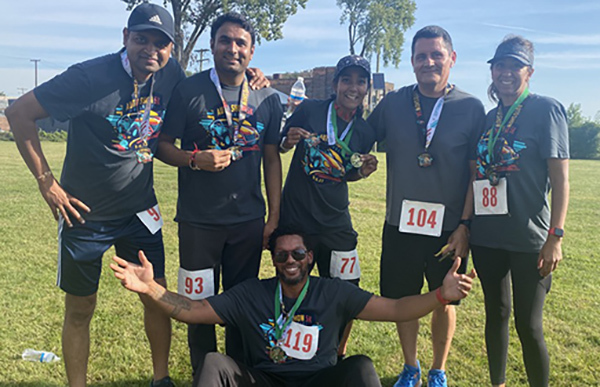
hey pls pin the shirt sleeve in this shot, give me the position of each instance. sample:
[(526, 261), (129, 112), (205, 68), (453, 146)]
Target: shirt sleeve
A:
[(67, 95), (229, 305), (377, 120), (276, 115), (555, 139), (296, 119), (478, 129), (355, 299)]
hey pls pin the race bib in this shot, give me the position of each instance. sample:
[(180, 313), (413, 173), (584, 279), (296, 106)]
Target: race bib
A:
[(151, 219), (197, 284), (344, 265), (490, 199), (301, 341), (422, 218)]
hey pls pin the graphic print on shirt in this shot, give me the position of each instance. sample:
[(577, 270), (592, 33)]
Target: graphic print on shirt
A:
[(221, 136), (127, 123), (268, 330), (324, 163), (507, 151)]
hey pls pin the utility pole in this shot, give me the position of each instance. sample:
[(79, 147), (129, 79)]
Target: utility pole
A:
[(36, 69), (22, 90), (202, 59)]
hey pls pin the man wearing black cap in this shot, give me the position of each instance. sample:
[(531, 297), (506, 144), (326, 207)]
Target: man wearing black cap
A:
[(115, 105), (431, 130), (332, 143)]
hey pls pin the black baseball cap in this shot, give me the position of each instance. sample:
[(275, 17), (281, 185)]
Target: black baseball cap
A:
[(350, 61), (515, 49), (148, 16)]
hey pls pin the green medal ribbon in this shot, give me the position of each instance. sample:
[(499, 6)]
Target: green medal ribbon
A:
[(281, 322), (347, 135), (497, 129)]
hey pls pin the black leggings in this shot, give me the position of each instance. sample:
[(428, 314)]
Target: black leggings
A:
[(223, 371), (497, 269)]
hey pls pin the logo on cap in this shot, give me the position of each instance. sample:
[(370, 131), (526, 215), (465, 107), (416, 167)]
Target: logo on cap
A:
[(155, 19)]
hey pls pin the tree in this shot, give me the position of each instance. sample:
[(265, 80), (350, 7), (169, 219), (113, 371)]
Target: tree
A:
[(193, 17), (575, 116), (379, 25)]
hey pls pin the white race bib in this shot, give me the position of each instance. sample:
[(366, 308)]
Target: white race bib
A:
[(490, 199), (301, 341), (197, 284), (344, 265), (151, 218), (422, 218)]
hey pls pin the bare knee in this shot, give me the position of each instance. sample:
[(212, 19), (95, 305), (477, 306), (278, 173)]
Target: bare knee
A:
[(79, 310)]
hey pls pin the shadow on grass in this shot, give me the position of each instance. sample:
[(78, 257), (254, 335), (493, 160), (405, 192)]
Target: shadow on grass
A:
[(120, 383)]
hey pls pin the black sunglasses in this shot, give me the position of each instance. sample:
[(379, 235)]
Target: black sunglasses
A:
[(282, 256)]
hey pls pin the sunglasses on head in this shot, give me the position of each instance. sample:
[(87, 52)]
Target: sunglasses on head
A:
[(282, 256)]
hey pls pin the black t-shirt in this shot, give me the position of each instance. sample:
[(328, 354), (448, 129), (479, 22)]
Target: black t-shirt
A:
[(329, 304), (196, 116), (107, 164), (315, 195)]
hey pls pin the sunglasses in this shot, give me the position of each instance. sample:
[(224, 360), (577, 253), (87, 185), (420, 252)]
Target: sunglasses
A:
[(282, 256)]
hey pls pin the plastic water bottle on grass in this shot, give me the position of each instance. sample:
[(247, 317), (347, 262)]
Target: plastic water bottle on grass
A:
[(39, 356), (296, 95)]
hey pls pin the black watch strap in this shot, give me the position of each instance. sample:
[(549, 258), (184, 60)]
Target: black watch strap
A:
[(466, 222)]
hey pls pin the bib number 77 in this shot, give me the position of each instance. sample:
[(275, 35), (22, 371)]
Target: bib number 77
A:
[(421, 218)]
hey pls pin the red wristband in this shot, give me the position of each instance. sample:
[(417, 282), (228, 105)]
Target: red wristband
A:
[(192, 164), (440, 298)]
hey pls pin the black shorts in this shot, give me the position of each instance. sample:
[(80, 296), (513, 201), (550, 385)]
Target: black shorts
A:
[(323, 245), (405, 258), (80, 250)]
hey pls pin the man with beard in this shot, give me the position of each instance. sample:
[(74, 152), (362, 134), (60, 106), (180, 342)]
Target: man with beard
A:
[(291, 324)]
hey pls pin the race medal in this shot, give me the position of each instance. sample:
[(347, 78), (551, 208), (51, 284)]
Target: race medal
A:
[(425, 160), (356, 160), (344, 265), (492, 177), (276, 354), (236, 153), (490, 199), (313, 141), (144, 155), (421, 218)]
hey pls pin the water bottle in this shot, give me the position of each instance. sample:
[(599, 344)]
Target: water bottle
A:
[(297, 95), (39, 356)]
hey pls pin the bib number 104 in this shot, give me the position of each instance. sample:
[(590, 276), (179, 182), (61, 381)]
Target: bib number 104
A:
[(421, 218)]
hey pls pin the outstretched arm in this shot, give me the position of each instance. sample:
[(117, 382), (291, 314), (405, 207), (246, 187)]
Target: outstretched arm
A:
[(140, 279), (22, 116), (455, 287)]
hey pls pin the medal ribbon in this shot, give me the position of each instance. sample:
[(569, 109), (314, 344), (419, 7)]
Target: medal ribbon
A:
[(145, 125), (282, 322), (512, 114), (332, 130), (434, 119), (243, 105)]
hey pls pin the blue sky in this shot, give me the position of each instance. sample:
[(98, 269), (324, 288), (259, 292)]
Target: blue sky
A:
[(565, 34)]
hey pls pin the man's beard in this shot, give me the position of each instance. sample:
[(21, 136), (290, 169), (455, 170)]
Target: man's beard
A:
[(293, 281)]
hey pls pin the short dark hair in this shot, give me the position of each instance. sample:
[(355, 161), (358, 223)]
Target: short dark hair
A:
[(432, 32), (232, 17), (283, 231), (511, 40)]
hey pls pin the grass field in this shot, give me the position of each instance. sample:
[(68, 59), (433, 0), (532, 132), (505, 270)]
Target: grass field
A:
[(32, 306)]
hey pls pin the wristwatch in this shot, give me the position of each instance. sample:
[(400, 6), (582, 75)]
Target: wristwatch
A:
[(557, 232), (466, 222)]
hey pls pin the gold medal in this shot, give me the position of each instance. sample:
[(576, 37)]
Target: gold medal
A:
[(236, 153), (492, 177), (425, 160), (276, 355), (356, 160)]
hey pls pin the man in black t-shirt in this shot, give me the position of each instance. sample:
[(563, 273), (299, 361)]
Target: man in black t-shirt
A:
[(291, 324), (115, 105), (226, 129)]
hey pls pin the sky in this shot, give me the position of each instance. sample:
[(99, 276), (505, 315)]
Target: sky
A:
[(565, 34)]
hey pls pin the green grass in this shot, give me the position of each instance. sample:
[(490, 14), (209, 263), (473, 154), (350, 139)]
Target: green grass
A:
[(32, 306)]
